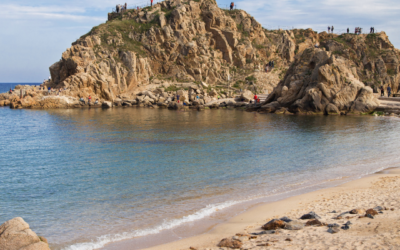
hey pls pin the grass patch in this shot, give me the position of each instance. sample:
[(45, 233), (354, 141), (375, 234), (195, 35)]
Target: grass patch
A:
[(251, 78), (172, 88)]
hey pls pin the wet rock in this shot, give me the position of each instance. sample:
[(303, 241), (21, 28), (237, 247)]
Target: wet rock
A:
[(294, 225), (314, 222), (371, 212), (333, 230), (348, 223), (334, 212), (274, 224), (357, 211), (310, 215), (378, 208), (285, 219), (288, 239), (230, 243)]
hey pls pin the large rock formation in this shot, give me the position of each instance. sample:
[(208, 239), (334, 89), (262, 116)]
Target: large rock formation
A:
[(16, 235), (176, 44), (321, 82)]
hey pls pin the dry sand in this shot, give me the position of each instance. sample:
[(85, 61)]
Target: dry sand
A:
[(382, 232)]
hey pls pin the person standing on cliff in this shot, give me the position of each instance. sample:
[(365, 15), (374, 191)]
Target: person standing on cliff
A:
[(382, 91), (151, 3), (117, 8), (348, 30), (332, 29), (329, 29), (389, 90), (255, 98), (126, 6), (232, 4)]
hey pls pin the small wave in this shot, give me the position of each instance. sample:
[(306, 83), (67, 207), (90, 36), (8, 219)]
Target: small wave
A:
[(105, 239)]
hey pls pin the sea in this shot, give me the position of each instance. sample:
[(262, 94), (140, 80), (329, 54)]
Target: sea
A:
[(84, 178)]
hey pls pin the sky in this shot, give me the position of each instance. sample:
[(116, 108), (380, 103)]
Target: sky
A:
[(34, 34)]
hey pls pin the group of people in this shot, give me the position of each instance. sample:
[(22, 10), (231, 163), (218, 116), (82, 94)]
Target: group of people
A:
[(269, 66), (232, 5), (357, 30), (89, 99), (119, 8), (330, 29), (389, 91)]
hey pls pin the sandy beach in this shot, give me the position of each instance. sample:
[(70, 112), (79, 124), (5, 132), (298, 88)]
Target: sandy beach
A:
[(381, 232)]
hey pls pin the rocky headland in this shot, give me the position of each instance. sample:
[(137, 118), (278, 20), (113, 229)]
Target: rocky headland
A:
[(203, 53)]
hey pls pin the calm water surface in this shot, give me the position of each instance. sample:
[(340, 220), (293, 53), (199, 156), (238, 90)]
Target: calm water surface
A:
[(85, 177)]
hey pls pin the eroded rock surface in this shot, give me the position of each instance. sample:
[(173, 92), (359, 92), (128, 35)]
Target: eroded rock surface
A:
[(15, 234)]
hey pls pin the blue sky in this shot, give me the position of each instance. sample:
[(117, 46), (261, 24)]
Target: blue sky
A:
[(35, 33)]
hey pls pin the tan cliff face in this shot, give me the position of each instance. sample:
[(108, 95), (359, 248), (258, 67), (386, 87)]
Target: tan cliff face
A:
[(173, 40), (339, 77)]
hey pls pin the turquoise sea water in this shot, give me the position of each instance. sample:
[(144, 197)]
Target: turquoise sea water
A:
[(86, 177)]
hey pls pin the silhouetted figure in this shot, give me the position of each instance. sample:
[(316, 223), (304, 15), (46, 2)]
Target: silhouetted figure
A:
[(348, 30)]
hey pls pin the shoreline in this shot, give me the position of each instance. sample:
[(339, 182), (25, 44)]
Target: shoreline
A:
[(251, 219)]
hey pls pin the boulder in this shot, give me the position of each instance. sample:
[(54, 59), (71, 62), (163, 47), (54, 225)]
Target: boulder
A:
[(331, 109), (294, 225), (106, 104), (371, 212), (247, 96), (314, 222), (230, 243), (274, 224), (117, 102), (310, 215), (15, 234)]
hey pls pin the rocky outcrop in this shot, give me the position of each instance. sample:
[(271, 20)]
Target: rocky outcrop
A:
[(322, 82), (15, 234)]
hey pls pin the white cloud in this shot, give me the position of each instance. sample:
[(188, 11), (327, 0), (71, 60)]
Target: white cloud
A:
[(10, 12)]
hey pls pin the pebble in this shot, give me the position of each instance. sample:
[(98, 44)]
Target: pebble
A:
[(369, 216), (345, 227), (265, 232), (333, 230), (348, 223), (333, 225)]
